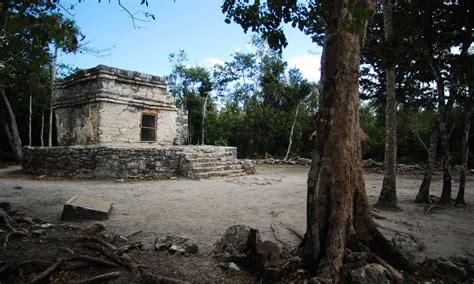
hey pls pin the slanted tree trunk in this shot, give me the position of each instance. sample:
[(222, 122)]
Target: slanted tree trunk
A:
[(51, 112), (30, 111), (337, 208), (204, 118), (42, 129), (290, 139), (388, 194), (11, 128), (423, 195)]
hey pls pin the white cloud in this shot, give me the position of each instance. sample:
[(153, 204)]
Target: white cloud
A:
[(212, 61), (308, 64)]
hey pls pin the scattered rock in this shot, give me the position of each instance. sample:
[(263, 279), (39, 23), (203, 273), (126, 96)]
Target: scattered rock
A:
[(370, 274), (176, 249), (233, 267), (173, 178), (234, 240), (17, 187), (447, 267), (38, 233), (46, 225), (120, 180), (175, 244), (248, 166), (408, 245), (268, 254), (86, 208), (94, 229)]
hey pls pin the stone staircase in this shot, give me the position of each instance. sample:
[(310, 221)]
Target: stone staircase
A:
[(202, 162)]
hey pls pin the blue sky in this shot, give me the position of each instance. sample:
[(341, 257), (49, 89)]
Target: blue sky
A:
[(196, 26)]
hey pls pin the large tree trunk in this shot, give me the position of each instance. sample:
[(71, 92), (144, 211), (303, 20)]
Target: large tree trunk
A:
[(12, 128), (388, 194), (337, 206), (290, 138), (51, 111), (423, 195)]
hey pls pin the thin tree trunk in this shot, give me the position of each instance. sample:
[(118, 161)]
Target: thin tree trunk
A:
[(337, 206), (29, 119), (51, 112), (388, 194), (42, 129), (203, 118), (443, 133), (423, 195), (290, 139), (465, 155), (12, 129)]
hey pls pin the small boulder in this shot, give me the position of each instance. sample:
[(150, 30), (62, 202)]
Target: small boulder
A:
[(370, 274), (234, 240), (248, 167), (94, 229)]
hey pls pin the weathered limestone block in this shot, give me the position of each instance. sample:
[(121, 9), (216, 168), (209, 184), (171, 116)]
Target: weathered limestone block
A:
[(85, 208)]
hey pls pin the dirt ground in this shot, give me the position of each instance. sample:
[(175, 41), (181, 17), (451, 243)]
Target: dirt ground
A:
[(272, 201)]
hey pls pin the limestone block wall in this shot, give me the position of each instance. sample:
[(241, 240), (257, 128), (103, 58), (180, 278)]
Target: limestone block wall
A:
[(182, 128), (104, 105), (77, 125), (103, 162)]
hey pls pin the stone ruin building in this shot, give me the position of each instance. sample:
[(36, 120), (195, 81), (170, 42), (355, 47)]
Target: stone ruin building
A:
[(114, 123)]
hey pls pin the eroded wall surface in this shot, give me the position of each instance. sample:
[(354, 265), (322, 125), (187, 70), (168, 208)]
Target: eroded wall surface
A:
[(104, 105)]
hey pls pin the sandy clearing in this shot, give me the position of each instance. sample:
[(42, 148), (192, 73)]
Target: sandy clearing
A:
[(274, 198)]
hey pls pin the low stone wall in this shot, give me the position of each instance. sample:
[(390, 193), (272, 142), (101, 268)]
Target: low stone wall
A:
[(115, 162)]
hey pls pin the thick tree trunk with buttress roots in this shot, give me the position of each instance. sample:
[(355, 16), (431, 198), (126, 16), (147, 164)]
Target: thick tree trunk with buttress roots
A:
[(338, 209), (388, 194), (423, 195)]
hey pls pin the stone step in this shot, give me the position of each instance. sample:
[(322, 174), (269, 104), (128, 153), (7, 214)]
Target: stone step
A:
[(227, 173), (216, 163), (216, 168), (211, 160), (209, 155)]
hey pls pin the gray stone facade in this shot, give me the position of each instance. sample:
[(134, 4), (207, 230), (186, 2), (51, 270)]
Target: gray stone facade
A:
[(130, 162), (104, 106)]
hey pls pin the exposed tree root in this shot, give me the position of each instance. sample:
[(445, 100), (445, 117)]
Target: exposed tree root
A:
[(431, 207), (43, 275), (395, 274), (93, 260), (7, 220), (99, 279), (273, 229), (11, 234)]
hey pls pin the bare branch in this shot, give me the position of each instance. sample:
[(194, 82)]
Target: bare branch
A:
[(418, 134)]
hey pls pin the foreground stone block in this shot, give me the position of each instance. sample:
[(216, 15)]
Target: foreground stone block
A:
[(86, 208)]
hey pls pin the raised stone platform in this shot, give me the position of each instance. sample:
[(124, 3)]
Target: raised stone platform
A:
[(116, 161)]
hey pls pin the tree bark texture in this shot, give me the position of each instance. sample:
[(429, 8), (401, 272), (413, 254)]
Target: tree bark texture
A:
[(423, 195), (42, 130), (337, 208), (12, 128), (30, 111), (388, 194), (51, 111), (444, 137), (290, 138)]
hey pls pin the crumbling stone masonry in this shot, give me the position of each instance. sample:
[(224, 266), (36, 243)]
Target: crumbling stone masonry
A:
[(105, 105), (114, 123)]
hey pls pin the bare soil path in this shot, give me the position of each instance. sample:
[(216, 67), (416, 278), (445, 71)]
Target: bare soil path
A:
[(273, 201)]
